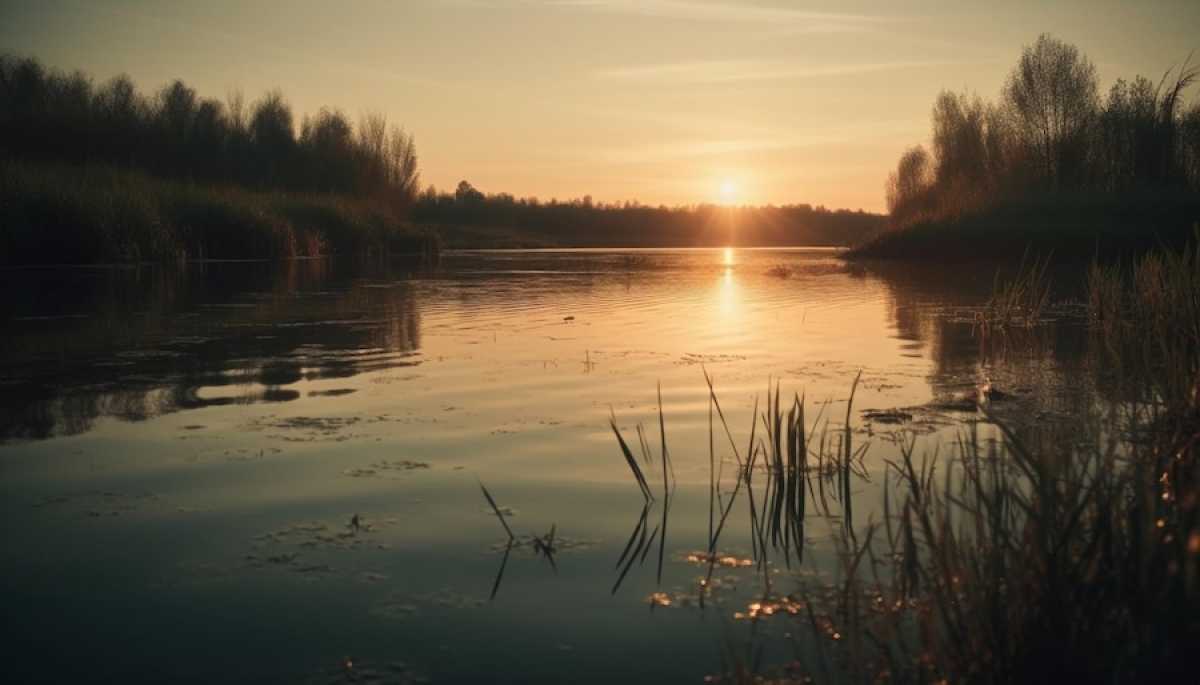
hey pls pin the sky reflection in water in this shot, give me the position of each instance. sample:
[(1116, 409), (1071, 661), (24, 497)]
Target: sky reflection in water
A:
[(183, 451)]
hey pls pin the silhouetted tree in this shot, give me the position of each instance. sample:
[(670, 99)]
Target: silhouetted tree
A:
[(1050, 137), (908, 186), (466, 194), (582, 221), (47, 115), (1053, 94)]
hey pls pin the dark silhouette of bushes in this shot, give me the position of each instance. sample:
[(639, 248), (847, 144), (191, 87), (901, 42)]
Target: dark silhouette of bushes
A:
[(1049, 156), (151, 173), (48, 115), (472, 218), (73, 214)]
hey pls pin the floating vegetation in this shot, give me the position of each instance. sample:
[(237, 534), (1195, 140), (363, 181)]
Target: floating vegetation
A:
[(315, 535), (404, 606), (529, 542), (395, 608), (546, 546), (335, 392), (381, 469), (893, 416), (785, 605), (690, 358), (726, 560), (319, 428), (289, 561), (100, 503), (352, 671), (517, 425), (660, 599), (680, 597)]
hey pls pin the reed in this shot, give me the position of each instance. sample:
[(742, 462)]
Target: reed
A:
[(1146, 319), (1031, 555), (1021, 299), (644, 544), (499, 515)]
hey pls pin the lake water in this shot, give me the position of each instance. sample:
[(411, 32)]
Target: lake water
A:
[(184, 450)]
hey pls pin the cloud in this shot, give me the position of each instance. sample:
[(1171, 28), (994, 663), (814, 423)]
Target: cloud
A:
[(715, 148), (727, 12), (734, 71)]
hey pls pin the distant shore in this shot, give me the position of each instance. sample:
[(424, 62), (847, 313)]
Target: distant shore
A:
[(483, 237)]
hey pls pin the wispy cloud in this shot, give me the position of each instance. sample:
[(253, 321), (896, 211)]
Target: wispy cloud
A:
[(732, 71), (725, 147), (729, 12)]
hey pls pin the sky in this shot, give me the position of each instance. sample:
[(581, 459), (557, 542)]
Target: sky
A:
[(663, 101)]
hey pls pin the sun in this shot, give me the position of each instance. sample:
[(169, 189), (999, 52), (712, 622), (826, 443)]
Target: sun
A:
[(728, 191)]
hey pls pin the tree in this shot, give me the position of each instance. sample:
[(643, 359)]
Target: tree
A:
[(403, 174), (466, 193), (908, 185), (1052, 94), (959, 144), (273, 136)]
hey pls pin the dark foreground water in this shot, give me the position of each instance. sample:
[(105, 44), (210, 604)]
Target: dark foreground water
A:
[(183, 451)]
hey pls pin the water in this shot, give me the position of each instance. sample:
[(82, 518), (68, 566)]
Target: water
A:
[(183, 451)]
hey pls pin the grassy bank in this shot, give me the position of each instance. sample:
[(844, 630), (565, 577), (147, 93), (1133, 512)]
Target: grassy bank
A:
[(1071, 227), (89, 214)]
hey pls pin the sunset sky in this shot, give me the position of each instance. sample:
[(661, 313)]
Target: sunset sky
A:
[(664, 101)]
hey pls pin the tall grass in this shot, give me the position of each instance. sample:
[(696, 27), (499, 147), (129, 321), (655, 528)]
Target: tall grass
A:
[(1147, 321), (58, 214), (1069, 554), (1021, 299)]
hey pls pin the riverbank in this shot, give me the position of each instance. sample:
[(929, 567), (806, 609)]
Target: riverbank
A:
[(1069, 228), (95, 214)]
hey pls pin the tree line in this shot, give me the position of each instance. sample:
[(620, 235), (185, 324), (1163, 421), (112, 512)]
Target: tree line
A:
[(1051, 134), (53, 116), (581, 221)]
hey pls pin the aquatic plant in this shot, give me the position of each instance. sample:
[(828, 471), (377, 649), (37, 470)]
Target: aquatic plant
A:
[(1146, 319), (499, 514), (1021, 299), (1003, 561)]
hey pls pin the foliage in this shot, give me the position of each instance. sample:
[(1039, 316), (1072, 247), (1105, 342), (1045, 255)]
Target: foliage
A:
[(60, 214), (1052, 138), (46, 115)]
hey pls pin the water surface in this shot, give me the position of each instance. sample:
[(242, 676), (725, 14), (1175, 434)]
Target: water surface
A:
[(183, 451)]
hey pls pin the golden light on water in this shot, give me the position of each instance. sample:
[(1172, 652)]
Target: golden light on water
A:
[(727, 257)]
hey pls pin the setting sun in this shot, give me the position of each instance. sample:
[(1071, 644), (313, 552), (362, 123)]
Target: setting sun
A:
[(728, 191)]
